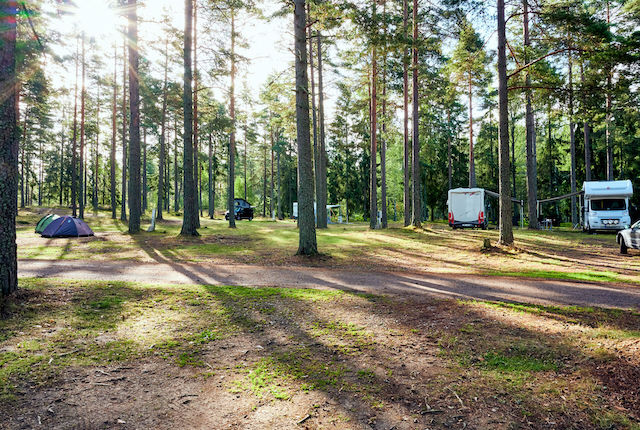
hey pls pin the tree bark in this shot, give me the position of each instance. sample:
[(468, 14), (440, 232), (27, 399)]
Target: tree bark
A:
[(506, 210), (211, 181), (190, 215), (416, 201), (314, 118), (176, 193), (271, 206), (74, 149), (97, 154), (83, 95), (9, 142), (163, 133), (450, 166), (373, 166), (112, 158), (472, 166), (62, 144), (264, 180), (405, 119), (144, 170), (134, 121), (123, 206), (383, 144), (307, 244), (586, 131), (232, 135), (532, 170), (196, 150), (322, 148), (608, 129), (572, 146)]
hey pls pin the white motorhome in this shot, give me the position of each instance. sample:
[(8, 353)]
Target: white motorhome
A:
[(606, 205), (467, 208)]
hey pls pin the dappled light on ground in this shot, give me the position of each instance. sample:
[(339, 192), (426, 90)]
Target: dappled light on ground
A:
[(561, 254), (222, 356)]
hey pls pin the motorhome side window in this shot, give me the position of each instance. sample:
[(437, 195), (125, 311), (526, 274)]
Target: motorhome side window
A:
[(608, 205)]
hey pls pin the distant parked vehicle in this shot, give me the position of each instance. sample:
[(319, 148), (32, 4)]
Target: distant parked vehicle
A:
[(242, 210), (629, 238), (467, 208), (606, 205)]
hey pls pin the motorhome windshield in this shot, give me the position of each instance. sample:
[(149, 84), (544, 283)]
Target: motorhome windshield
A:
[(608, 205)]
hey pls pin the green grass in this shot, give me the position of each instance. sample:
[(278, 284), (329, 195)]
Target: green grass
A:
[(572, 255), (590, 276)]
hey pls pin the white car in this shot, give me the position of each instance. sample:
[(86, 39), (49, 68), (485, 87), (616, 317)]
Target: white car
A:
[(629, 238)]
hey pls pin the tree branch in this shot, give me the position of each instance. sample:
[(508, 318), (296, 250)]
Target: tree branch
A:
[(531, 63)]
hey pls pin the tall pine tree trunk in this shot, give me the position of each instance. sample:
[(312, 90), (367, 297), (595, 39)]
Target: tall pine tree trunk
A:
[(144, 170), (271, 206), (322, 148), (264, 180), (586, 129), (530, 131), (416, 220), (506, 210), (572, 146), (383, 144), (608, 128), (176, 193), (373, 169), (196, 150), (450, 166), (472, 164), (83, 95), (314, 117), (163, 134), (9, 142), (123, 208), (74, 149), (96, 158), (62, 142), (112, 158), (405, 119), (211, 181), (134, 122), (307, 244), (190, 216), (232, 135)]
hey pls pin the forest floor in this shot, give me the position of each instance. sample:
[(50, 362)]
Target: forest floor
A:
[(167, 352), (91, 354), (557, 254)]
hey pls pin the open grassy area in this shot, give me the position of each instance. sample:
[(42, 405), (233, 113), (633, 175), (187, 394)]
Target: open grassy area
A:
[(114, 354), (560, 254)]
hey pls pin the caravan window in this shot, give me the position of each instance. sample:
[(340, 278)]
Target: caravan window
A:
[(608, 205)]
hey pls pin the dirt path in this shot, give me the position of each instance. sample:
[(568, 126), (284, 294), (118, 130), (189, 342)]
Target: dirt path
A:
[(548, 292)]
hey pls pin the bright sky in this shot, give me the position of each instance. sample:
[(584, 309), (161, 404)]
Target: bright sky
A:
[(267, 41)]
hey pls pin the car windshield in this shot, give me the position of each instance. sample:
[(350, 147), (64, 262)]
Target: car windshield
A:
[(608, 205)]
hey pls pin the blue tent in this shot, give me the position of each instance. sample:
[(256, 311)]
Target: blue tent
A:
[(67, 226)]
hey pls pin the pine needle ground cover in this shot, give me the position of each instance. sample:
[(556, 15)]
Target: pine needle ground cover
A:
[(105, 354)]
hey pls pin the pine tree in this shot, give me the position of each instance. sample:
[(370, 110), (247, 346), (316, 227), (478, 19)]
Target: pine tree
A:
[(307, 229), (189, 222), (8, 151)]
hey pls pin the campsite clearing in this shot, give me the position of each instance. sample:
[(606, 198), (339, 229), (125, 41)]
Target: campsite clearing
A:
[(558, 254)]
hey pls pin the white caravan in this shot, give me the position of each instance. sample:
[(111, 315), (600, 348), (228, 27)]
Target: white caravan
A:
[(606, 205), (467, 208)]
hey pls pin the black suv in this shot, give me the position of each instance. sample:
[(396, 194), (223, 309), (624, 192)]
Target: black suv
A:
[(242, 209)]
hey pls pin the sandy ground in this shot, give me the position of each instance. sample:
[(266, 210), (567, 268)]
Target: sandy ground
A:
[(537, 291)]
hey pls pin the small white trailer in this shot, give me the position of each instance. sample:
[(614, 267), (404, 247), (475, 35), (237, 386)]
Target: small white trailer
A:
[(467, 208), (606, 205)]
